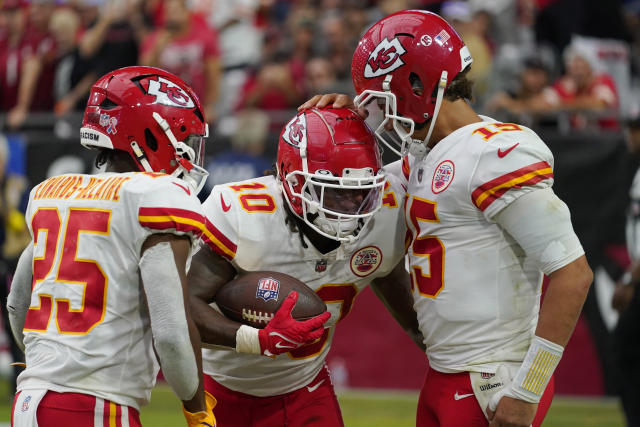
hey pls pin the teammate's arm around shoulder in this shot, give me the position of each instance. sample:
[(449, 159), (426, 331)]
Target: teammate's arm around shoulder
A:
[(540, 222), (394, 290), (176, 339)]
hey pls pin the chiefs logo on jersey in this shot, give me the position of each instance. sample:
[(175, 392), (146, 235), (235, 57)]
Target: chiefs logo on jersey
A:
[(385, 58), (295, 132), (366, 261), (168, 93)]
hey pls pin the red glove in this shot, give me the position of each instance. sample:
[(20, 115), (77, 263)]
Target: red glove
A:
[(283, 333)]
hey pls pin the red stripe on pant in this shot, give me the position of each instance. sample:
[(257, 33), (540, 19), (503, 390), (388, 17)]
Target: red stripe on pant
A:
[(78, 410)]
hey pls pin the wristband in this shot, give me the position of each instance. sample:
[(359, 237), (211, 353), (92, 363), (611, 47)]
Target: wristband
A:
[(247, 340), (535, 372)]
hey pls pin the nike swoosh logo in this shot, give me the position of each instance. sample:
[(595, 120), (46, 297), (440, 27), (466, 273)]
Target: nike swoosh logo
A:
[(502, 153), (461, 396), (225, 207), (315, 387), (279, 345), (183, 187)]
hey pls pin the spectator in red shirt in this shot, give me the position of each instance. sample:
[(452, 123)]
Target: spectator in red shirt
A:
[(20, 63), (582, 89), (187, 47)]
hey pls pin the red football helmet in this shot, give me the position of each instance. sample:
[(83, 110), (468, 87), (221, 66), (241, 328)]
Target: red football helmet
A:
[(152, 115), (330, 171), (407, 50)]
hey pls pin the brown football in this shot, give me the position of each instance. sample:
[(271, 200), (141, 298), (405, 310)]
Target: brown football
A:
[(253, 298)]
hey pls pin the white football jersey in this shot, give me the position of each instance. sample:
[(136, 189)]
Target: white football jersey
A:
[(86, 330), (252, 233), (475, 291)]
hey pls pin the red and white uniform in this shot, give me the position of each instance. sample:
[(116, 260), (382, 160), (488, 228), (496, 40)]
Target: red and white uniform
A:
[(86, 330), (475, 291), (252, 234)]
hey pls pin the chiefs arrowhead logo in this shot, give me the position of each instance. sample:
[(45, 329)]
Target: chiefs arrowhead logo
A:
[(385, 58), (168, 93), (295, 132)]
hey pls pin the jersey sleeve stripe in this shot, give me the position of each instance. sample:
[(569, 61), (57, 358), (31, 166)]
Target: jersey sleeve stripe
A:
[(486, 194), (405, 167), (166, 219), (218, 242)]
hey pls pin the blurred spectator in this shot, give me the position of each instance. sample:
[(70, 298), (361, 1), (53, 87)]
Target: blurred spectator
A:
[(626, 299), (334, 43), (38, 32), (459, 15), (21, 63), (73, 74), (583, 89), (115, 28), (187, 47), (246, 158), (320, 77), (240, 43), (532, 81), (272, 87)]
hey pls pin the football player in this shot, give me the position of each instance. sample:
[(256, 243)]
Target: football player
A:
[(102, 285), (330, 216), (485, 227)]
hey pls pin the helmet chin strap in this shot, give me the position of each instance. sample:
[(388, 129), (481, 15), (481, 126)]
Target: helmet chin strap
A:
[(420, 148)]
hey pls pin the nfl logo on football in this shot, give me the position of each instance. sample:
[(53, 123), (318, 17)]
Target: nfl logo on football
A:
[(268, 289)]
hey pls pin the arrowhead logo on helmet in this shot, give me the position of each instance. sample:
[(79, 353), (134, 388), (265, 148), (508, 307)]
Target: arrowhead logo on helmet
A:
[(385, 58), (295, 132), (169, 93)]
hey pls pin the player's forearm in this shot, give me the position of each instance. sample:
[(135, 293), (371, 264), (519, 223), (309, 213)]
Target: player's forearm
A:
[(214, 328), (19, 297), (394, 291), (566, 293)]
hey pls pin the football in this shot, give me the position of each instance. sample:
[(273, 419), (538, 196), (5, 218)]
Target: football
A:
[(253, 298)]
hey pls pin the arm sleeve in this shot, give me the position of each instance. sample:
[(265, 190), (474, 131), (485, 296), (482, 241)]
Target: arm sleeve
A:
[(163, 290), (19, 298), (541, 224)]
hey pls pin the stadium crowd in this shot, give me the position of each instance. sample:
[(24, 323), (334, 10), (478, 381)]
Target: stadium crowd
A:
[(567, 65)]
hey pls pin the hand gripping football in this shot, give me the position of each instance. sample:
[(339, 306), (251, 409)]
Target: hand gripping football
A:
[(253, 298)]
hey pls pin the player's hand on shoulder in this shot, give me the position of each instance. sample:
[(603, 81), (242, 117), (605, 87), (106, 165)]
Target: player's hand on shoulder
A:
[(512, 412), (202, 418), (283, 333)]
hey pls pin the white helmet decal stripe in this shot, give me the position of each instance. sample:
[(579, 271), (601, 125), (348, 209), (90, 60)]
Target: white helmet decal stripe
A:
[(385, 58)]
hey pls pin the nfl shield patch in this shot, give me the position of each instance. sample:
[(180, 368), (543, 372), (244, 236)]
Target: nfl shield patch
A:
[(268, 289), (25, 404), (321, 265)]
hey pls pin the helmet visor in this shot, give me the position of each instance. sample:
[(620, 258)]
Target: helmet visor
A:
[(354, 197), (195, 153)]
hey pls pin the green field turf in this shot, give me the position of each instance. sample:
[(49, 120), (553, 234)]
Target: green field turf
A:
[(381, 409)]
